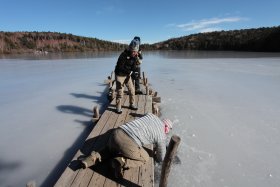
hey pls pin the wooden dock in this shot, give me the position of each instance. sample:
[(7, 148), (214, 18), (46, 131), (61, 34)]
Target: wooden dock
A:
[(102, 174)]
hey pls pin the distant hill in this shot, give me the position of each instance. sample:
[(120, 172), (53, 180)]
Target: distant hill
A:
[(260, 39), (38, 42)]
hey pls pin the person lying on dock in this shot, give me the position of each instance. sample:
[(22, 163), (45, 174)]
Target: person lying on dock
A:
[(125, 144), (126, 65)]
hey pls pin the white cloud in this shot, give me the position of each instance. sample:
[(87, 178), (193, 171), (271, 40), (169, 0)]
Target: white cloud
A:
[(205, 25)]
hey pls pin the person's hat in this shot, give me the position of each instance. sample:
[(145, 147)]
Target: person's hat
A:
[(137, 38), (134, 45), (168, 123)]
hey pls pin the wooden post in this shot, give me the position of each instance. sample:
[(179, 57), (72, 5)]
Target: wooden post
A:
[(170, 154), (157, 99), (155, 109), (108, 80), (96, 114), (147, 90), (144, 78), (155, 94)]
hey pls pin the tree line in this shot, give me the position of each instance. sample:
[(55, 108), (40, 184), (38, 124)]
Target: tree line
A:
[(257, 39), (260, 39), (28, 42)]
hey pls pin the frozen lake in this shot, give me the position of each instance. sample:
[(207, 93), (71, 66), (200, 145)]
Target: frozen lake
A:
[(226, 106)]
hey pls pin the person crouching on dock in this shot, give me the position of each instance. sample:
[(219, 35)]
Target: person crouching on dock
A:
[(125, 144)]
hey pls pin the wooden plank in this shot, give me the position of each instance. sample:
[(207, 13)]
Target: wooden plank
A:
[(134, 177), (111, 181), (96, 142), (130, 177), (87, 149), (93, 141), (101, 175), (84, 182), (69, 174), (147, 172), (144, 167)]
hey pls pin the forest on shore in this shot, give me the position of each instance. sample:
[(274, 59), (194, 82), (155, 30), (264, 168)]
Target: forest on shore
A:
[(260, 39), (266, 39), (42, 42)]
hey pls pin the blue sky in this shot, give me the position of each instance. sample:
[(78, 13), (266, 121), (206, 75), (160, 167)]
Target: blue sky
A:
[(121, 20)]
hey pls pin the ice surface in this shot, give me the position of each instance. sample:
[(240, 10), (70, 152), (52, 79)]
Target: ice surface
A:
[(226, 111)]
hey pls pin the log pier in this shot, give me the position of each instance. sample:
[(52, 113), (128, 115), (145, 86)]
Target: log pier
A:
[(102, 174)]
